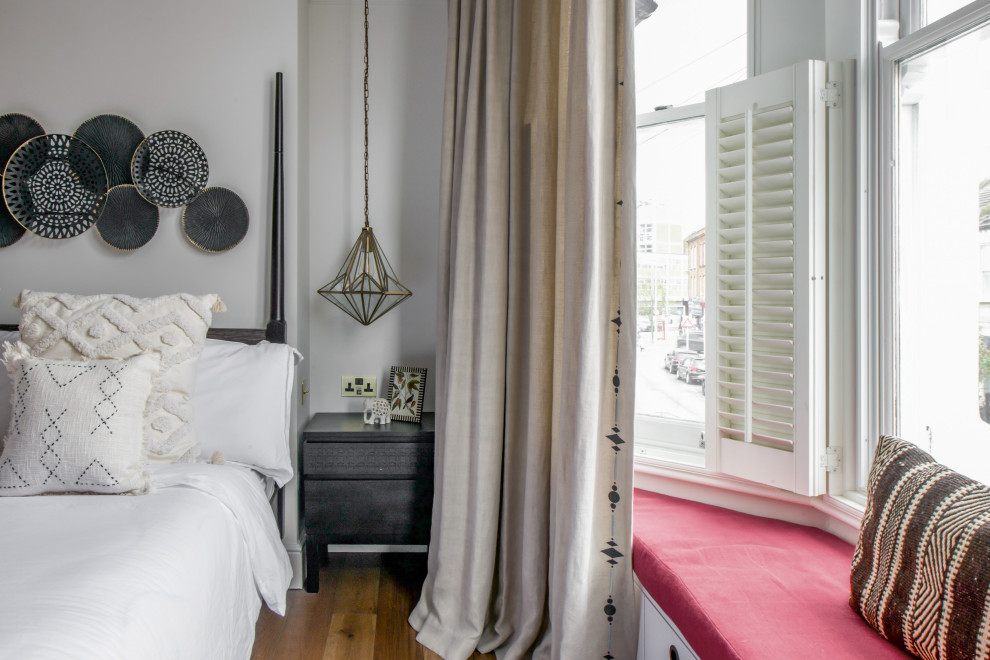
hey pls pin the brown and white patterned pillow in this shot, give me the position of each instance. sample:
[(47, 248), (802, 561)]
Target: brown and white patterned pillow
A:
[(76, 424), (920, 570), (61, 326)]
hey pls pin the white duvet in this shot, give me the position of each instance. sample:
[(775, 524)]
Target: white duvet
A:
[(178, 573)]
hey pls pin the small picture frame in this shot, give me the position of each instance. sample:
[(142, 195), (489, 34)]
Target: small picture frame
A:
[(406, 386)]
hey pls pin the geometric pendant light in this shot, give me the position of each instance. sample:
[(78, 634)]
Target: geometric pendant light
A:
[(366, 286)]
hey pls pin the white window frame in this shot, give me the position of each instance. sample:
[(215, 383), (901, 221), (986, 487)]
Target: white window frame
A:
[(912, 14), (882, 284)]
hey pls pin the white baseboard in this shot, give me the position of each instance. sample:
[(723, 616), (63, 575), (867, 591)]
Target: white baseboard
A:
[(296, 561)]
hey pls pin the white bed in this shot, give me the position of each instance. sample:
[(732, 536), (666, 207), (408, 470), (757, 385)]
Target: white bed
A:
[(177, 573)]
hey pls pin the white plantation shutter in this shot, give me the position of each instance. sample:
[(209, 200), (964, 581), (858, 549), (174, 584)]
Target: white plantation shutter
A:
[(765, 287)]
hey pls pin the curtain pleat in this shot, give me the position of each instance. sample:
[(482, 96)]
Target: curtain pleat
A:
[(531, 539)]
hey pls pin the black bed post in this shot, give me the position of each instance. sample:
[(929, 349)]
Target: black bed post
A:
[(275, 331)]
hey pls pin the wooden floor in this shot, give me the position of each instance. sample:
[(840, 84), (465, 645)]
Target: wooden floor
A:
[(360, 612)]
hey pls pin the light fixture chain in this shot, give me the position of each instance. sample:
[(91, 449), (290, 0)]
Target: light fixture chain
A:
[(366, 224)]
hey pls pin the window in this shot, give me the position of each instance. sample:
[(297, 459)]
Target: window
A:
[(933, 10), (671, 196), (934, 331), (683, 49), (686, 48)]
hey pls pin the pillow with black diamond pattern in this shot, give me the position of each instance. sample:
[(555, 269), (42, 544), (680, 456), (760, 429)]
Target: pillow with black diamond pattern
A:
[(62, 326), (76, 425)]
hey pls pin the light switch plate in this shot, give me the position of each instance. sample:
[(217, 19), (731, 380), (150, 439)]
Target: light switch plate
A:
[(358, 386)]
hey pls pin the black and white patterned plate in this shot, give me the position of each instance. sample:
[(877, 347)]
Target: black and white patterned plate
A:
[(54, 186), (169, 169)]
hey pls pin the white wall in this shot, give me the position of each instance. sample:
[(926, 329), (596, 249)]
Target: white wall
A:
[(203, 67), (407, 63)]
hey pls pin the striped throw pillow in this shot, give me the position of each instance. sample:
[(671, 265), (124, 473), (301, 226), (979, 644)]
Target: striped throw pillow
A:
[(921, 570)]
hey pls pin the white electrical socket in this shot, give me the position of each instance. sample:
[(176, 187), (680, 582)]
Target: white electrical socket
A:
[(358, 386)]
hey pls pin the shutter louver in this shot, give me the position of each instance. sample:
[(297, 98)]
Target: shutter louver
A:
[(763, 327)]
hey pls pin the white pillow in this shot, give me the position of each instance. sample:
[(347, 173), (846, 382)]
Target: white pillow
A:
[(6, 387), (76, 425), (242, 404), (61, 326)]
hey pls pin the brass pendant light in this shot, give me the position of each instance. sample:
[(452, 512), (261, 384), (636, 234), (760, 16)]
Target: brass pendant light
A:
[(366, 286)]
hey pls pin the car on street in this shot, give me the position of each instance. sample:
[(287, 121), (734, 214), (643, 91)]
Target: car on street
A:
[(674, 358), (691, 369)]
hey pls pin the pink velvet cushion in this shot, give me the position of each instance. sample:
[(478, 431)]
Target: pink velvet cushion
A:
[(741, 586)]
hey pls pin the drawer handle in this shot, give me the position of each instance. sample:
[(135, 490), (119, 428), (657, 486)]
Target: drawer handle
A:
[(674, 655)]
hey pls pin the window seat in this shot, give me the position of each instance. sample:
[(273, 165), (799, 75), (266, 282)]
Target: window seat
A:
[(738, 586)]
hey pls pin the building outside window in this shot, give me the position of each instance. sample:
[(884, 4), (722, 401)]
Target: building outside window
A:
[(695, 247)]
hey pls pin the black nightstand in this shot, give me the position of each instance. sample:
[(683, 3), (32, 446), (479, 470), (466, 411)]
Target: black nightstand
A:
[(364, 484)]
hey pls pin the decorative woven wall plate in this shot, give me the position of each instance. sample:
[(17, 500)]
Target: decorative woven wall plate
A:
[(128, 220), (114, 139), (54, 185), (15, 130), (215, 221), (11, 231), (169, 169)]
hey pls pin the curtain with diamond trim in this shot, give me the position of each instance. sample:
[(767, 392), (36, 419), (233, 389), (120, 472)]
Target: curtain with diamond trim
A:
[(531, 539)]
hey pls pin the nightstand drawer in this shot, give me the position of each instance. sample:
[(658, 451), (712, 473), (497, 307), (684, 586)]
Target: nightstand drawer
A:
[(393, 511), (371, 460)]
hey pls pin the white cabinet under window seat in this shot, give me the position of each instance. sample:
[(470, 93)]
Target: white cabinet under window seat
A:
[(659, 639)]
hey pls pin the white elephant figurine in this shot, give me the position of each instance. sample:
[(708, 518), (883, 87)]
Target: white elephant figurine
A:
[(377, 411)]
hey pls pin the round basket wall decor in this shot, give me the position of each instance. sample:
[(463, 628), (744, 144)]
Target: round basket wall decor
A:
[(169, 169), (54, 185), (11, 231), (114, 139), (215, 221), (128, 220), (15, 130)]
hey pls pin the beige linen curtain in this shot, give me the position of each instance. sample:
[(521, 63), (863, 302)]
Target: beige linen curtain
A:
[(531, 541)]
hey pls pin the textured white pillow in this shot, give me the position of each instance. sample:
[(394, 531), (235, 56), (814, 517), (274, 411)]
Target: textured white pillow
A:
[(67, 327), (6, 388), (243, 403), (76, 425)]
